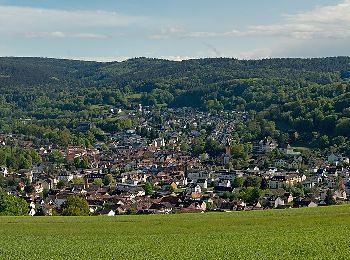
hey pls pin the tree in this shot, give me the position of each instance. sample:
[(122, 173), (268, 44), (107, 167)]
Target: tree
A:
[(298, 192), (75, 206), (12, 206), (56, 157), (65, 137), (2, 181), (252, 181), (184, 147), (329, 199), (78, 180), (238, 182), (29, 189), (61, 184), (98, 182), (251, 194), (45, 193), (108, 179), (148, 187), (264, 184)]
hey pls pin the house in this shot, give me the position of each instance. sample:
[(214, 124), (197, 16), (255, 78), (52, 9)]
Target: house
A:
[(288, 150), (47, 209), (3, 171), (332, 171), (305, 203), (32, 211), (173, 185), (227, 175), (194, 207), (340, 195), (137, 192), (38, 187), (279, 181), (285, 148), (65, 176), (194, 188), (278, 202), (224, 183), (84, 127), (222, 189), (160, 208), (288, 197), (195, 175), (264, 146), (108, 212), (294, 165), (203, 183), (195, 195), (309, 184), (332, 158), (281, 163), (257, 206)]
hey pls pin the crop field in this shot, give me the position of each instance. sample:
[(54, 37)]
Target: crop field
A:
[(318, 233)]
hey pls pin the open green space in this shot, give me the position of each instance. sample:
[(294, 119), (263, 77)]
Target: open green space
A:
[(318, 233)]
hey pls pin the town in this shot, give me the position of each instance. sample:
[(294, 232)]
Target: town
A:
[(174, 161)]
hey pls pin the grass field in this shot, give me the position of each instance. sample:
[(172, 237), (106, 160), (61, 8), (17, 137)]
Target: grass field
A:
[(318, 233)]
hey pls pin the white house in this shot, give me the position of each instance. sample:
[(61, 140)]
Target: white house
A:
[(65, 176), (3, 171), (203, 183), (278, 202)]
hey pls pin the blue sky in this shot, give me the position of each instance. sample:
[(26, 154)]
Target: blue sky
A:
[(108, 30)]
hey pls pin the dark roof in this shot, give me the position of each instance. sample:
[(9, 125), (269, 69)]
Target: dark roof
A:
[(222, 188)]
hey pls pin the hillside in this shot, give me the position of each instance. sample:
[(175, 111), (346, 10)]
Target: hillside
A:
[(310, 96), (319, 233)]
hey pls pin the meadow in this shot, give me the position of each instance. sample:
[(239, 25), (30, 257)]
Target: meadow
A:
[(318, 233)]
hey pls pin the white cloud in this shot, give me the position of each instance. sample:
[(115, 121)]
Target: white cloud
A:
[(39, 22), (322, 22), (59, 34), (339, 13), (181, 33)]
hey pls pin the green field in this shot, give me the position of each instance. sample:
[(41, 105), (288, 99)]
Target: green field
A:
[(318, 233)]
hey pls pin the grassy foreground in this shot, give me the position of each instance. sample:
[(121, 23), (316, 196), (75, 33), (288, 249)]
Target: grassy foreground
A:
[(319, 233)]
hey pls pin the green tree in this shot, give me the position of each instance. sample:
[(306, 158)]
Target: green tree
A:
[(2, 181), (61, 184), (56, 157), (78, 180), (264, 184), (12, 206), (148, 187), (75, 206), (329, 199), (184, 147), (108, 180), (98, 182), (253, 181), (238, 182), (251, 195)]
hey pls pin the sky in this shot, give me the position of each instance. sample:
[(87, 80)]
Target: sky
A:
[(115, 30)]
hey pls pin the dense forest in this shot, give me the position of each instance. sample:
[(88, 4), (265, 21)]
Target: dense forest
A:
[(309, 96)]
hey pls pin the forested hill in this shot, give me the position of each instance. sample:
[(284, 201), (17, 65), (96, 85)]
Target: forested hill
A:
[(28, 71), (311, 96)]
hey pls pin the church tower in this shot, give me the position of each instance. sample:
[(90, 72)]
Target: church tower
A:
[(227, 155), (228, 147)]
